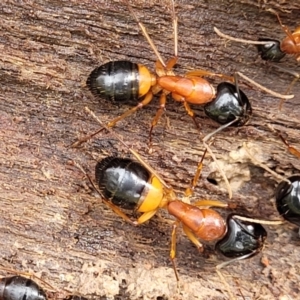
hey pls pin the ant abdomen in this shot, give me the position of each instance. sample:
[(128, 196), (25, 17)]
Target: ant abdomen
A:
[(288, 199), (128, 184), (120, 81), (19, 287)]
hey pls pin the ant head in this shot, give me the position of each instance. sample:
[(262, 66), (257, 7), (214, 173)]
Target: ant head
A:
[(230, 103), (242, 239), (288, 199), (270, 52)]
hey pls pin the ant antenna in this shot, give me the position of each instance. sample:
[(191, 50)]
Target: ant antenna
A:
[(231, 38), (278, 95), (145, 33), (205, 140)]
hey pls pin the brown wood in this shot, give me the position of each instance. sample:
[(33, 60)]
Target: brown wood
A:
[(53, 224)]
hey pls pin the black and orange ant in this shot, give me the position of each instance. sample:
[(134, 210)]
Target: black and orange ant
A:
[(273, 50), (127, 184), (19, 287), (121, 81)]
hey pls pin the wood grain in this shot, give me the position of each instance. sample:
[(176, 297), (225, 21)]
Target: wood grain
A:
[(54, 225)]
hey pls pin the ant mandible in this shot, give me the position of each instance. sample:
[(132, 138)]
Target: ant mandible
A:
[(126, 184), (121, 81)]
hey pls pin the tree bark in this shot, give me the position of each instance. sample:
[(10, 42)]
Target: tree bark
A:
[(52, 222)]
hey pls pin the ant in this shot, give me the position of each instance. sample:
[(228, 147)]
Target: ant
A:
[(126, 184), (273, 50), (121, 81), (19, 287)]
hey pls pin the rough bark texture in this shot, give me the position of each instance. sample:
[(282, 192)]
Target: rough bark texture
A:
[(54, 225)]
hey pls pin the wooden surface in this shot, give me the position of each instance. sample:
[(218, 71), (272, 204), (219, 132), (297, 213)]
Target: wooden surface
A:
[(54, 225)]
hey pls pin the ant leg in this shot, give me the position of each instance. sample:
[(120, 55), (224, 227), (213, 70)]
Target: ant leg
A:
[(145, 217), (171, 62), (145, 33), (173, 247), (163, 99), (117, 211), (146, 101), (148, 97), (201, 73), (205, 140), (230, 38), (162, 105), (291, 149), (288, 89), (191, 113), (190, 190), (175, 29), (263, 166), (277, 95), (284, 27), (136, 155), (85, 139), (190, 235), (213, 203), (193, 238), (293, 73)]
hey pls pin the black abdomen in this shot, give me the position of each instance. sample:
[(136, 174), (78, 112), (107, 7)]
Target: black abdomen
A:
[(288, 199), (122, 181), (115, 81), (19, 287)]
